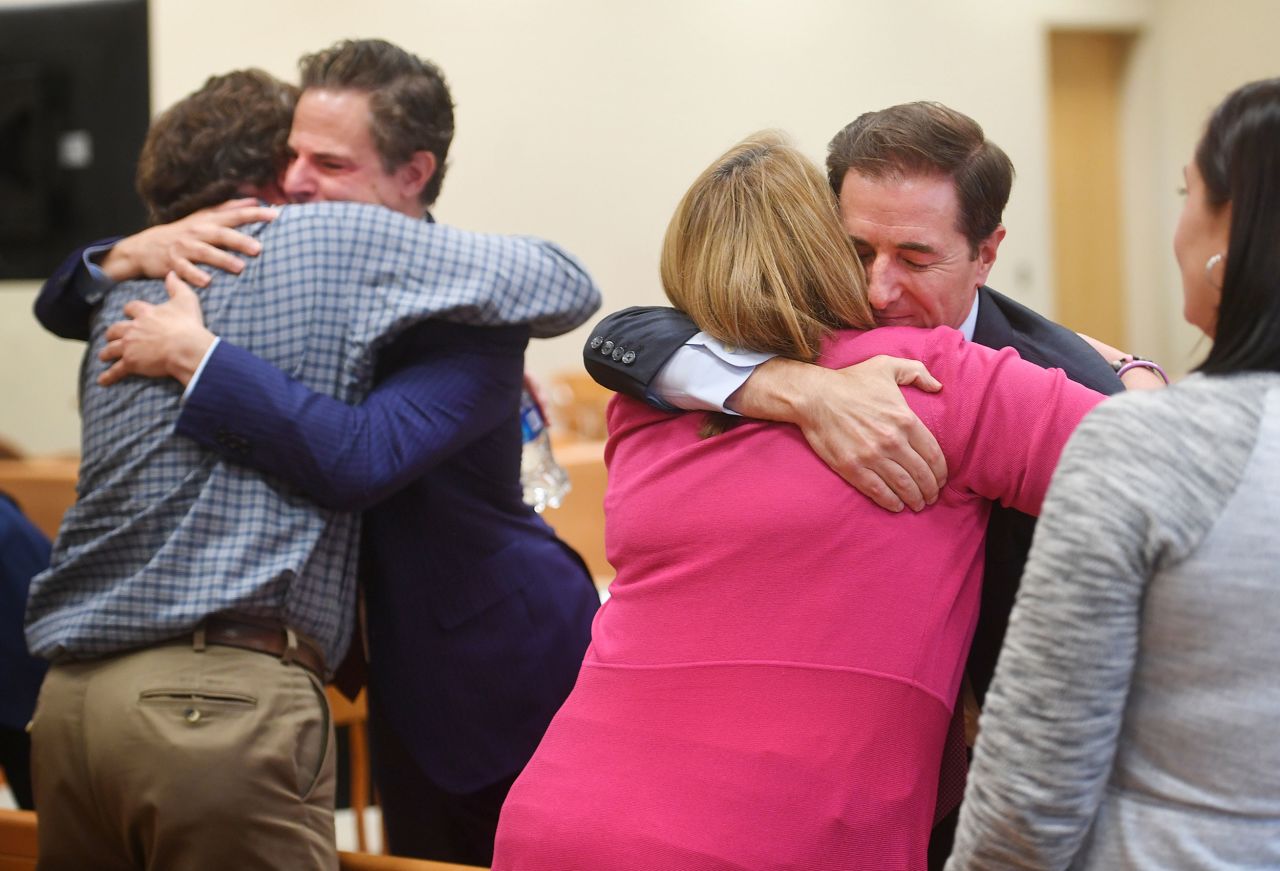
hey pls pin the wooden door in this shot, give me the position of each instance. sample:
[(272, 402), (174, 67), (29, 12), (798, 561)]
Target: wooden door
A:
[(1087, 71)]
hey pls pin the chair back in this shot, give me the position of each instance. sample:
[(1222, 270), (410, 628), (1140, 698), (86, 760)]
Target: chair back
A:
[(18, 851), (354, 717), (44, 488), (369, 862)]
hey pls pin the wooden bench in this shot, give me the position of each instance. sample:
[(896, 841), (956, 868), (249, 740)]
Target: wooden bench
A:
[(369, 862), (18, 851), (44, 488), (17, 840)]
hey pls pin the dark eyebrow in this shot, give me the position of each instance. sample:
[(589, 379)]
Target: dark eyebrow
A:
[(920, 247)]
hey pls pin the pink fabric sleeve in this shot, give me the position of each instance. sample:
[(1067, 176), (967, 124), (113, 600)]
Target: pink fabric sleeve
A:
[(1002, 422), (630, 419)]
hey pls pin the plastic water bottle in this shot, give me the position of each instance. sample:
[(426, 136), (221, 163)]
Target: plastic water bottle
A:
[(544, 481)]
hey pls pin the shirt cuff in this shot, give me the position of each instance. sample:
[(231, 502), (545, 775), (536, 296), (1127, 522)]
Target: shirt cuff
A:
[(191, 385), (702, 374), (91, 283)]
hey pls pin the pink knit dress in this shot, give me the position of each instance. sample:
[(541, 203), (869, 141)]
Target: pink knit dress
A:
[(771, 681)]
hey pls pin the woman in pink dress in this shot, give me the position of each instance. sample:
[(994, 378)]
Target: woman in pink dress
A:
[(771, 681)]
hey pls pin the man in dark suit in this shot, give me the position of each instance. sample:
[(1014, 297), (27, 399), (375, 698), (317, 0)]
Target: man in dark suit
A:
[(24, 552), (478, 616), (921, 193)]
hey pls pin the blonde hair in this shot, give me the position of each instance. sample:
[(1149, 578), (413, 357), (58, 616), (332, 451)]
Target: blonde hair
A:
[(756, 256)]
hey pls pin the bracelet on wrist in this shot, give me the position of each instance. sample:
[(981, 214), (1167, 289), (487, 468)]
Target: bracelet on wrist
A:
[(1129, 363)]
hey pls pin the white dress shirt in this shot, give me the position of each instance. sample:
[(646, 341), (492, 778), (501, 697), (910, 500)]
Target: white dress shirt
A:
[(702, 374)]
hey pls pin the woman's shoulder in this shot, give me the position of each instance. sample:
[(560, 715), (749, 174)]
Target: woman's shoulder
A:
[(942, 347), (847, 347)]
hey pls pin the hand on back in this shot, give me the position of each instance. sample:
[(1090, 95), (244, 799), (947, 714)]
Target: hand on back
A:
[(207, 237), (857, 421), (155, 341)]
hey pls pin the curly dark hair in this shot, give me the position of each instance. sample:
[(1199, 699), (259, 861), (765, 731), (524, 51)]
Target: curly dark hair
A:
[(231, 134), (409, 102)]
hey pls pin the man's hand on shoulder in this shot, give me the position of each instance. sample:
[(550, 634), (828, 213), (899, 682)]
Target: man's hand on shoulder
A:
[(205, 237), (857, 421), (158, 340)]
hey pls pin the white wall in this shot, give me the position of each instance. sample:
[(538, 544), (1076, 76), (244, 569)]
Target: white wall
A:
[(1195, 54), (585, 121)]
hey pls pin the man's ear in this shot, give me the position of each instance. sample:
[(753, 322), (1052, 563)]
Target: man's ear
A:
[(412, 175), (987, 253)]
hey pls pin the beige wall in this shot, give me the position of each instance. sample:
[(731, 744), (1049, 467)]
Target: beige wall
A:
[(1193, 56), (584, 121)]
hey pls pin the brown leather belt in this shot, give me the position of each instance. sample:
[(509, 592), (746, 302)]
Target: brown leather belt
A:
[(273, 640)]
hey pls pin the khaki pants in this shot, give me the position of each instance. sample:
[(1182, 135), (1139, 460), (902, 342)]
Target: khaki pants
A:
[(170, 759)]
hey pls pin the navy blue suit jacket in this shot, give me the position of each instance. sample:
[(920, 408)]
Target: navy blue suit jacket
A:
[(478, 615), (654, 334), (60, 307), (24, 553)]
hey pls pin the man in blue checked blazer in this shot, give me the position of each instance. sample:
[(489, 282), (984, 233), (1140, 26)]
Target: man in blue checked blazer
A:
[(477, 615), (164, 736)]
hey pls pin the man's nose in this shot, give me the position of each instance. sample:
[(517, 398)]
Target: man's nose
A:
[(299, 181), (883, 288)]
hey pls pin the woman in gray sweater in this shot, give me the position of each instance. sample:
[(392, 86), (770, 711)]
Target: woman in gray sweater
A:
[(1134, 719)]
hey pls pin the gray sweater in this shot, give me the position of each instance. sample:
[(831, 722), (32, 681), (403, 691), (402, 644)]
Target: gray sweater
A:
[(1134, 719)]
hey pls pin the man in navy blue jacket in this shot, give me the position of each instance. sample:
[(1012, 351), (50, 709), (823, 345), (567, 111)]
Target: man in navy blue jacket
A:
[(477, 614), (24, 552)]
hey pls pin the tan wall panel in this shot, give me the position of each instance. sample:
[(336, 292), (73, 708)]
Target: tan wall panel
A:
[(1086, 78)]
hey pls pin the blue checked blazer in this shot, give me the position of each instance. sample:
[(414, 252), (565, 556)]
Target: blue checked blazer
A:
[(165, 533)]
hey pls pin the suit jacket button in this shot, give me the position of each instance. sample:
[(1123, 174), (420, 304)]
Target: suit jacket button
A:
[(606, 348), (617, 353), (628, 358), (596, 342)]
